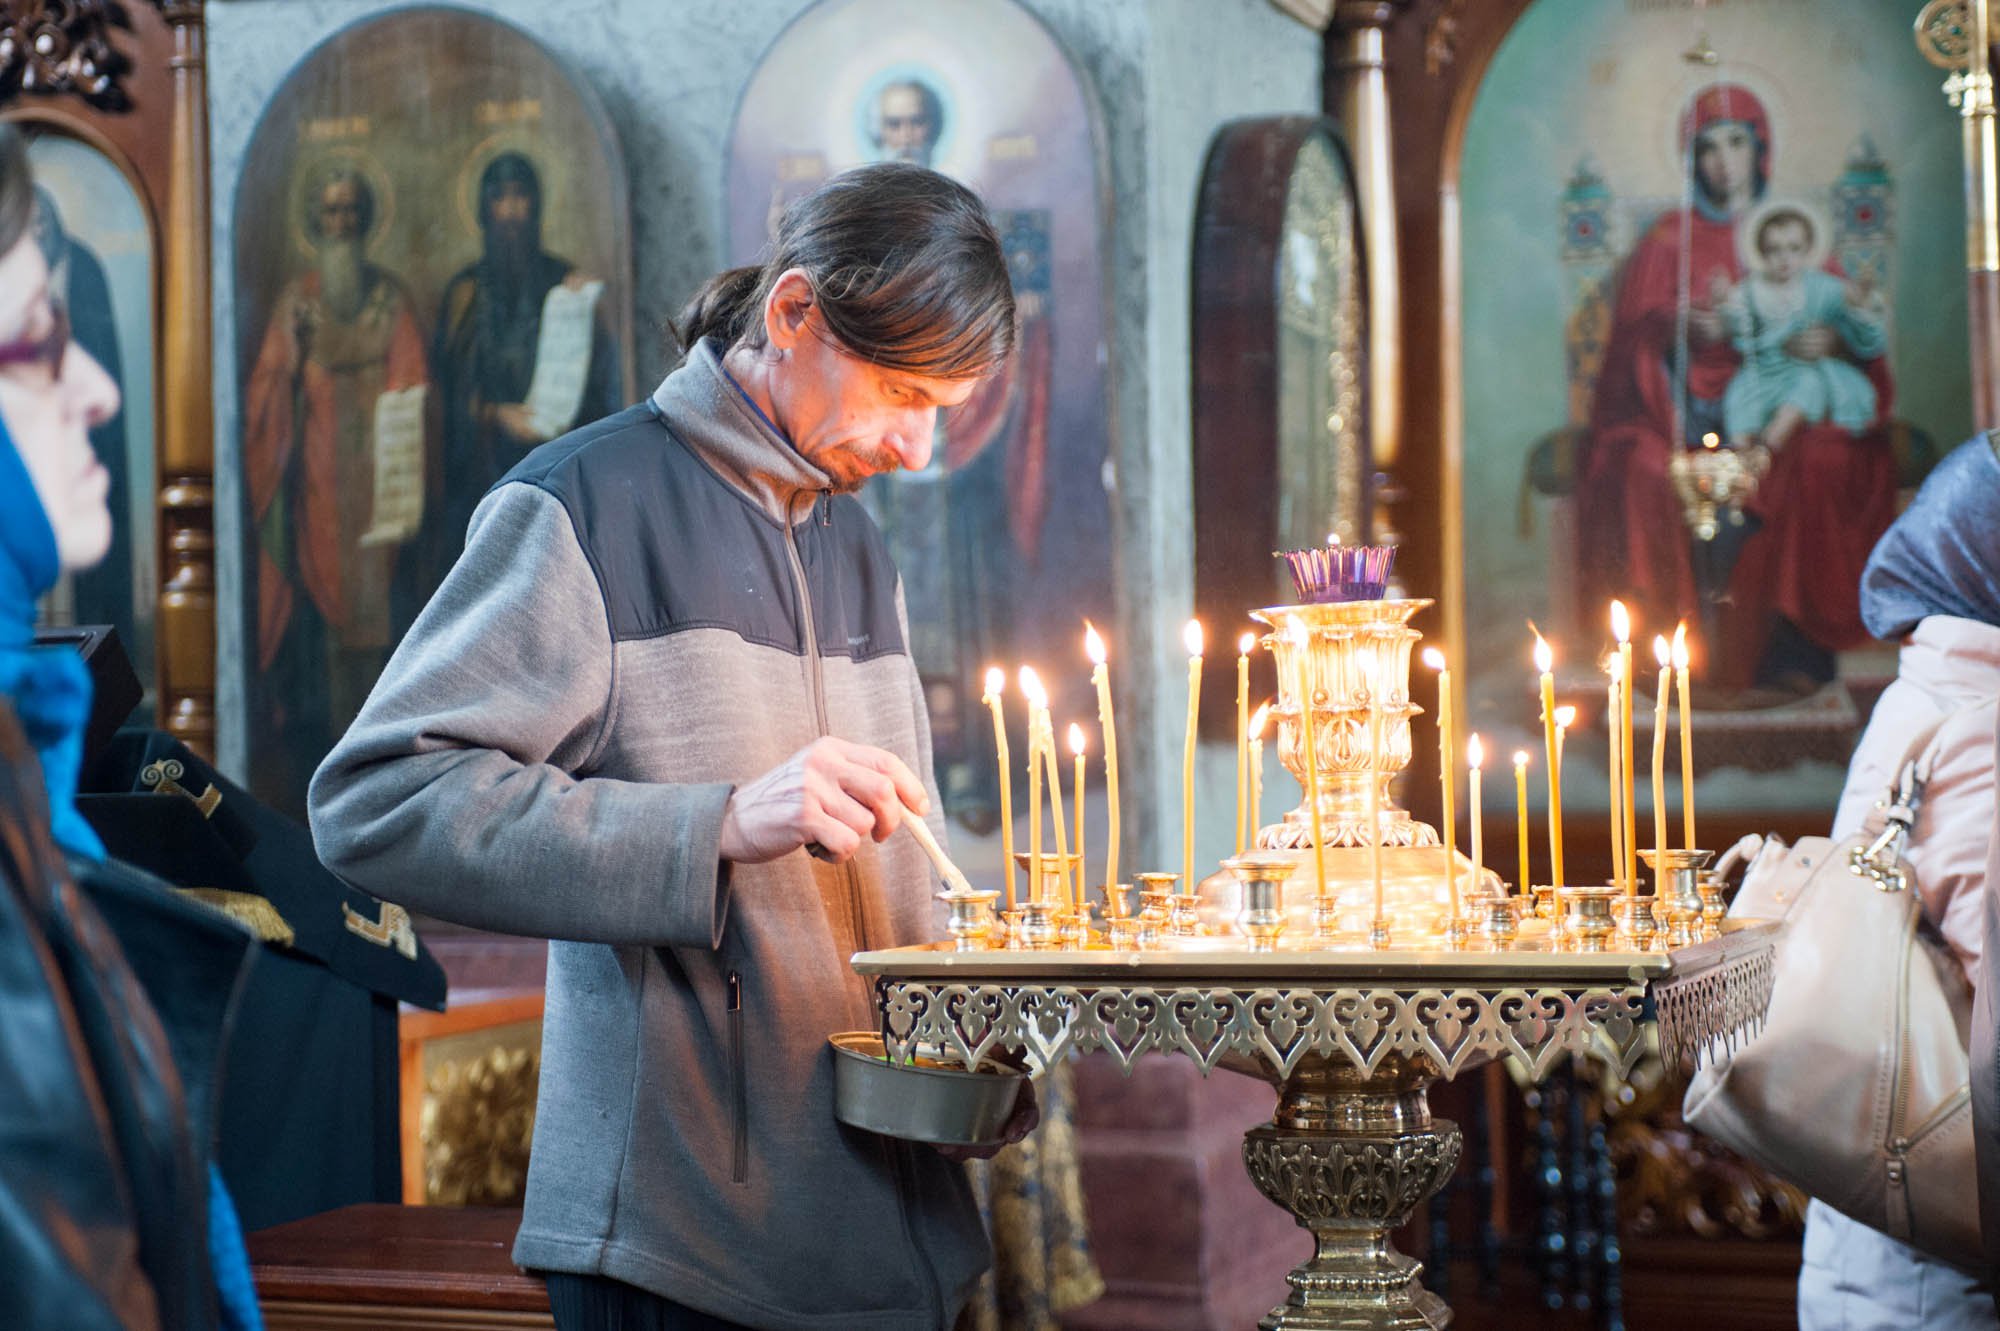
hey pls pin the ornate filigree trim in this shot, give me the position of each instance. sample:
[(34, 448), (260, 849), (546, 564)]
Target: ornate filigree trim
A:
[(1451, 1028), (1714, 1009)]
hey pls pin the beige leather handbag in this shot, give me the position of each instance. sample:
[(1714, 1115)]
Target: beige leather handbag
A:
[(1857, 1088)]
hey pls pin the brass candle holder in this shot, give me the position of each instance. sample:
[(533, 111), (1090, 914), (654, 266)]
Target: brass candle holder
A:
[(1156, 893), (1500, 917), (1122, 924), (1678, 874), (971, 925), (1263, 874), (1713, 908), (1350, 651), (1637, 924), (1586, 923), (1545, 901)]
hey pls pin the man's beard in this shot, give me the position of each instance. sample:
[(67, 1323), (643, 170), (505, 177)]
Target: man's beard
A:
[(343, 279), (854, 465), (510, 247)]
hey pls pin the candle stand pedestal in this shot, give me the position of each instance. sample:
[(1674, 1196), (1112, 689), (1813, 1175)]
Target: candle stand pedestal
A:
[(1351, 1038)]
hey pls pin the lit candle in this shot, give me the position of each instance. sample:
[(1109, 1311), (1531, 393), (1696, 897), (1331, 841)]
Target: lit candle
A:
[(1621, 628), (1521, 813), (1243, 646), (1192, 637), (996, 681), (1447, 777), (1664, 655), (1475, 757), (1257, 724), (1687, 746), (1545, 662), (1093, 646), (1076, 748), (1309, 749), (1614, 668), (1031, 688)]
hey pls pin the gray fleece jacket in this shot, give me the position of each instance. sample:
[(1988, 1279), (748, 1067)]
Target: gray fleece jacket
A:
[(648, 611)]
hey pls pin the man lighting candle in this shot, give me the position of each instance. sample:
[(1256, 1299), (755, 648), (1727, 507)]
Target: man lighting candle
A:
[(671, 658)]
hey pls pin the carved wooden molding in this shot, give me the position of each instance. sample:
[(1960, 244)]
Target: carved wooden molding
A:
[(63, 48)]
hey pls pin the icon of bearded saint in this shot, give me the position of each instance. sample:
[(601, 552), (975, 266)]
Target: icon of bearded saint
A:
[(341, 335)]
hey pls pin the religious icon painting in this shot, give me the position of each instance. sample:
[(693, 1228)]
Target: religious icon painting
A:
[(433, 276), (96, 232), (1712, 341), (1004, 541)]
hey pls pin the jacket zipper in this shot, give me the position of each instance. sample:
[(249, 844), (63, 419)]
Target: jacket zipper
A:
[(900, 1164), (739, 1096), (816, 670)]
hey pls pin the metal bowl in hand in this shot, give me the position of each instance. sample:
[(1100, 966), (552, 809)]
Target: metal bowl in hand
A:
[(924, 1100)]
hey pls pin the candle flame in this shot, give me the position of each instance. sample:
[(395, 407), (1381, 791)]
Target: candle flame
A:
[(1681, 646), (1711, 440), (1258, 720), (1520, 759), (1093, 646), (1434, 658), (1031, 687), (996, 681), (1246, 642), (1545, 660), (1076, 739), (1475, 751), (1192, 636), (1621, 622), (1565, 717), (1661, 652)]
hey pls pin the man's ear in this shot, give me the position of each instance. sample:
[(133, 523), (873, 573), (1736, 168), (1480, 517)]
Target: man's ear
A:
[(788, 309)]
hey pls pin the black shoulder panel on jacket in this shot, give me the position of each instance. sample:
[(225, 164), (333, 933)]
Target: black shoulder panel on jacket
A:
[(676, 547)]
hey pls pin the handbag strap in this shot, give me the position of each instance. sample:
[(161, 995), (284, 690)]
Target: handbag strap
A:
[(1888, 825)]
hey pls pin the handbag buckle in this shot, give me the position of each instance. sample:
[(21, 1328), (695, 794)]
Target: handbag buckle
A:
[(1881, 860)]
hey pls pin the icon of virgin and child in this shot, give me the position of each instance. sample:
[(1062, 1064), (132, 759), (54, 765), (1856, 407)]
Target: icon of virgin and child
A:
[(1732, 327)]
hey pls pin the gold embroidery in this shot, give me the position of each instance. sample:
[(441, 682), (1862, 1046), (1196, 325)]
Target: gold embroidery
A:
[(251, 911), (392, 929), (164, 778)]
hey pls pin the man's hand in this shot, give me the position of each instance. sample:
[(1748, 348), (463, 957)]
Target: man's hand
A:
[(1706, 326), (1813, 342), (831, 794), (1027, 1114)]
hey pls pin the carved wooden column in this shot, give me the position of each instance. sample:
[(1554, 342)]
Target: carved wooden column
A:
[(1358, 71), (187, 426)]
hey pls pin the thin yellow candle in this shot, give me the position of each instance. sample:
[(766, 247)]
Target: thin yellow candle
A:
[(1100, 676), (1257, 724), (1621, 627), (1521, 814), (1446, 776), (1076, 748), (1056, 803), (1664, 655), (1243, 646), (996, 682), (1614, 668), (1192, 637), (1680, 650), (1475, 758), (1308, 749), (1031, 688), (1545, 663), (1374, 790)]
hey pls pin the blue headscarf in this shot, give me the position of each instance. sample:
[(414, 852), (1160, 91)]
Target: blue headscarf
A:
[(49, 687), (1942, 557)]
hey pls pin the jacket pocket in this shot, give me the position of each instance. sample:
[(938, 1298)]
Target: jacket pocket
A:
[(739, 1092)]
